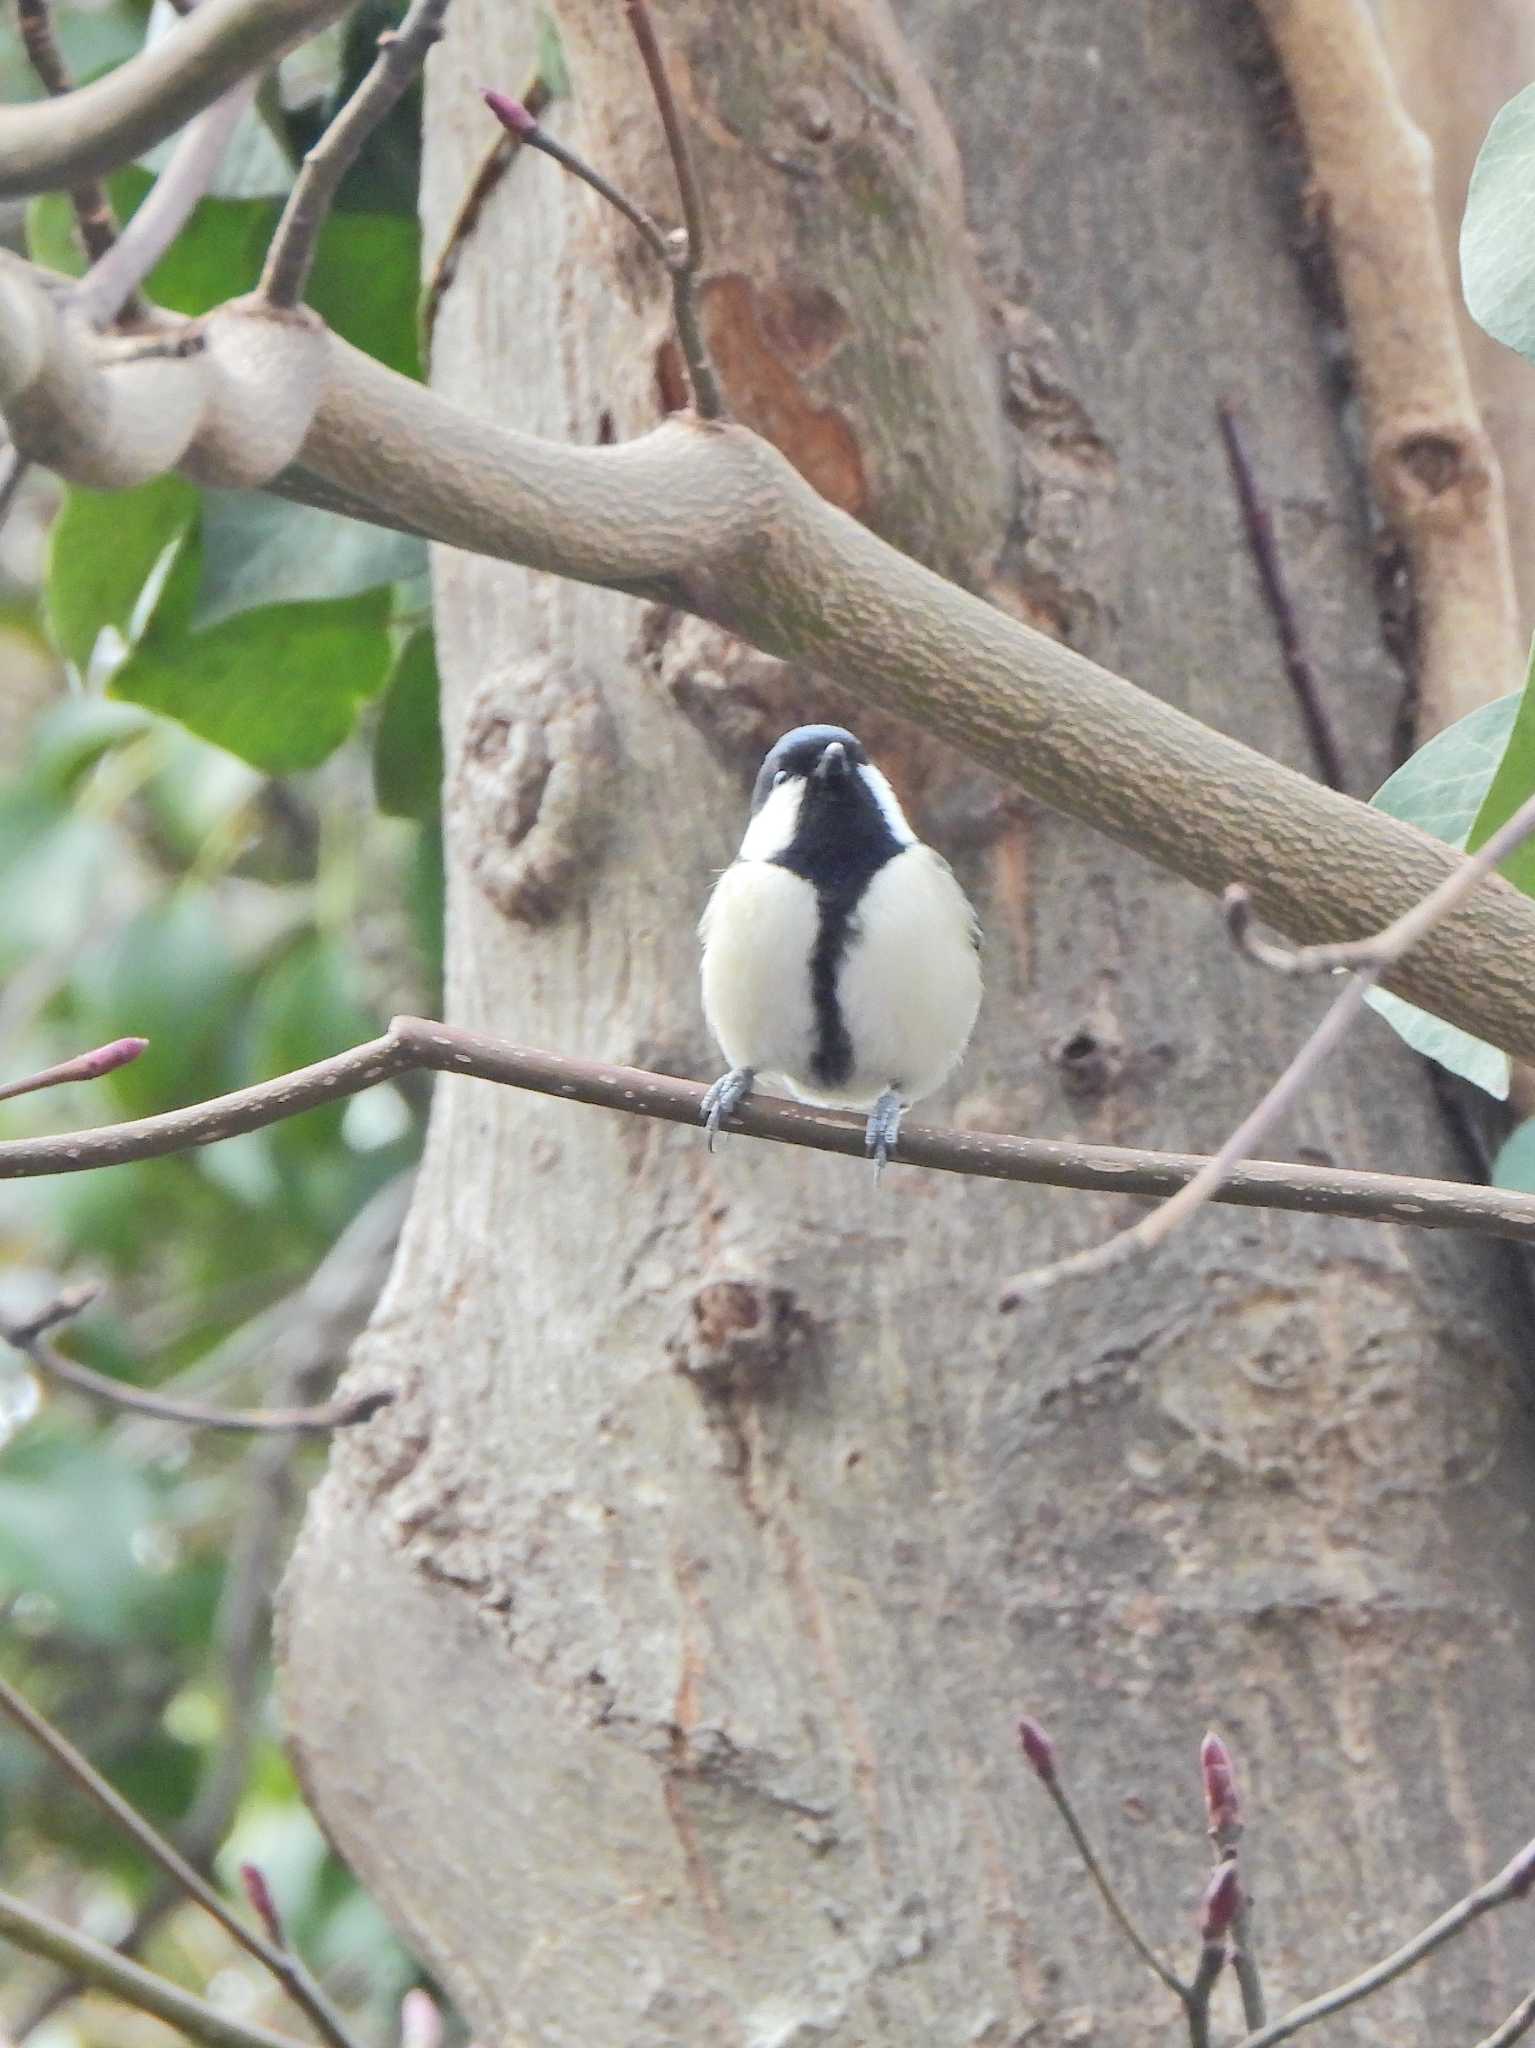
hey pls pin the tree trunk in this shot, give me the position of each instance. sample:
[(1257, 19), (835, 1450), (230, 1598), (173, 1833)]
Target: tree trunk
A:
[(655, 1656)]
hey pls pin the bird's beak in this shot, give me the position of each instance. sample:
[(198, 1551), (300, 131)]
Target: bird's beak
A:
[(833, 765)]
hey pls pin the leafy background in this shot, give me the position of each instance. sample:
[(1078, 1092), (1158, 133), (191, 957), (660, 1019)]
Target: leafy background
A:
[(218, 829)]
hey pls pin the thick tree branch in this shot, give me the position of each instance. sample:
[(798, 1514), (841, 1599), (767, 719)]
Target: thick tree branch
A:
[(40, 1935), (418, 1043), (711, 518), (1431, 463), (108, 123)]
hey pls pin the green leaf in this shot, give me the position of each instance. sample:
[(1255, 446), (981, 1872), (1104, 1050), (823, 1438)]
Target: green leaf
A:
[(280, 686), (102, 551), (1441, 789), (1513, 783), (259, 551), (1497, 254), (168, 976), (407, 749), (365, 284), (1514, 1166)]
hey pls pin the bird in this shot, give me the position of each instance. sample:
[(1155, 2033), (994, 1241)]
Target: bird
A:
[(839, 953)]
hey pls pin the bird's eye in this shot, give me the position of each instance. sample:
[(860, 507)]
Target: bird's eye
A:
[(781, 776)]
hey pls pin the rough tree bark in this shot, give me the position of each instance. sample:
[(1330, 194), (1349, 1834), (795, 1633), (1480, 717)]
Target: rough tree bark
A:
[(655, 1656)]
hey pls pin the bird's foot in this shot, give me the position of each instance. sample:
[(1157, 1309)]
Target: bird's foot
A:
[(724, 1098), (884, 1124)]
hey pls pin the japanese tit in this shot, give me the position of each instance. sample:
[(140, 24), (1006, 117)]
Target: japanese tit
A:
[(839, 952)]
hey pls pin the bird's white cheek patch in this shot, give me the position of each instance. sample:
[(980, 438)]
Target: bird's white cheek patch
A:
[(771, 831)]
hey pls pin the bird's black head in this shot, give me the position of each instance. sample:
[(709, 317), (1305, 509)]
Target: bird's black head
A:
[(803, 753), (823, 810)]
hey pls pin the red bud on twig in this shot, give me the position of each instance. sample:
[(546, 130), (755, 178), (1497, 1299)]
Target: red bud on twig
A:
[(510, 113), (1038, 1748), (259, 1893), (85, 1066), (1221, 1903), (1223, 1808)]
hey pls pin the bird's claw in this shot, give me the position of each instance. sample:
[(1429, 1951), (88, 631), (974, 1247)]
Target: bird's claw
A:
[(724, 1098), (884, 1126)]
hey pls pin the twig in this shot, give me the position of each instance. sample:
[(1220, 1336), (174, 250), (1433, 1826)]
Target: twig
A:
[(104, 1968), (1512, 1882), (287, 1968), (1370, 958), (1514, 2028), (518, 120), (1039, 1752), (1196, 2002), (108, 286), (94, 218), (1223, 1808), (116, 118), (683, 264), (401, 54), (492, 168), (416, 1043), (85, 1066), (29, 1338), (1259, 528)]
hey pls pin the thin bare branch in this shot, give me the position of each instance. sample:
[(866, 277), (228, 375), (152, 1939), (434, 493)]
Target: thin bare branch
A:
[(1258, 525), (1039, 1752), (685, 263), (108, 287), (418, 1043), (1196, 1997), (518, 119), (401, 54), (30, 1339), (285, 1967), (95, 221), (1514, 2028), (1370, 958), (41, 1935), (1512, 1882), (116, 118)]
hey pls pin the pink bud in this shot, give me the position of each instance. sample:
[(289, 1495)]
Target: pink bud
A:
[(420, 2020), (1038, 1748), (259, 1893), (1222, 1806), (1221, 1903), (85, 1066), (510, 113)]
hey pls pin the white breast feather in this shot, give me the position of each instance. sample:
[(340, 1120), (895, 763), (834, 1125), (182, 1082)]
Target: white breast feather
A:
[(910, 983), (758, 930)]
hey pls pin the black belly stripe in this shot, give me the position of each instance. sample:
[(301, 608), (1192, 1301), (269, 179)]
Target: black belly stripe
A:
[(832, 1060), (842, 842)]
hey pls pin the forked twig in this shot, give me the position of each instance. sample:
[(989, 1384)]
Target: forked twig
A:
[(1369, 958), (30, 1338), (285, 1967)]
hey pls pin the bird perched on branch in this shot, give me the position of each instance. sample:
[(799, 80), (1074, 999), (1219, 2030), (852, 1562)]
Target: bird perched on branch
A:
[(839, 952)]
